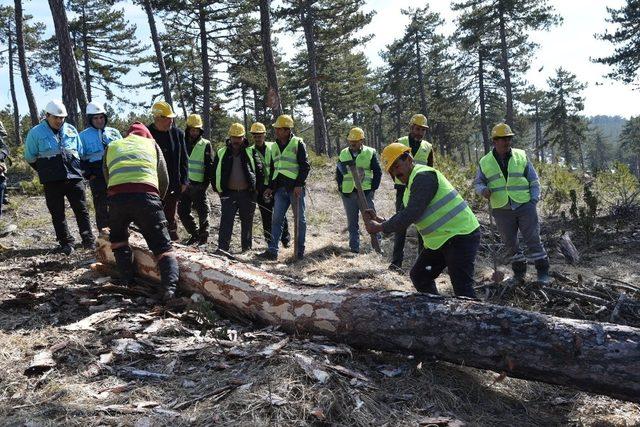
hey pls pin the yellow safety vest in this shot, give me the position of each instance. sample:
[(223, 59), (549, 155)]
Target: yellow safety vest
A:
[(196, 161), (221, 152), (132, 160), (447, 214), (515, 186), (286, 162), (363, 165), (422, 155), (266, 160)]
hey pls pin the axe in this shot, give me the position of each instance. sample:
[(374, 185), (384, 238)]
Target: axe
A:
[(363, 205)]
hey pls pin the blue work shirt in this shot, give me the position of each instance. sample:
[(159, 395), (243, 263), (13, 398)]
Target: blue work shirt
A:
[(95, 140), (55, 155)]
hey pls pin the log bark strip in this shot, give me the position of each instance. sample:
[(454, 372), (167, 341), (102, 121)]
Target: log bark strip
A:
[(596, 357)]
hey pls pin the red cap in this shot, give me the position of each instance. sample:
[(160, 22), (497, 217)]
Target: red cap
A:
[(139, 129)]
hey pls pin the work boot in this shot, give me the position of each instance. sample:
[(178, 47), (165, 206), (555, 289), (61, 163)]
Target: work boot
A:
[(89, 244), (519, 272), (169, 274), (268, 255), (124, 262), (66, 248), (173, 234), (542, 268), (192, 240), (203, 239), (396, 268)]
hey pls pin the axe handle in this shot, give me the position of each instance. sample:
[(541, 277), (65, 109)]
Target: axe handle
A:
[(362, 203)]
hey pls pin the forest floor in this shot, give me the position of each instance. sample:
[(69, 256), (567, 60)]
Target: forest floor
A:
[(138, 362)]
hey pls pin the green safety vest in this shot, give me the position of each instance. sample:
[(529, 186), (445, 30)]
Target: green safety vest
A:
[(515, 186), (286, 162), (363, 165), (266, 160), (447, 214), (133, 159), (196, 161), (221, 152), (421, 157)]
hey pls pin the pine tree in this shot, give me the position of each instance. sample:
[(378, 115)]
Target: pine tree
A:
[(22, 58), (630, 140), (565, 127), (626, 38), (106, 45)]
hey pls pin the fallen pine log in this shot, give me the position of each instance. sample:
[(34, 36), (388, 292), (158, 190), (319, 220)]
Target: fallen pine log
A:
[(596, 357)]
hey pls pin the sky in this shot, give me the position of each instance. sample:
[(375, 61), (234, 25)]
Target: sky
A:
[(570, 46)]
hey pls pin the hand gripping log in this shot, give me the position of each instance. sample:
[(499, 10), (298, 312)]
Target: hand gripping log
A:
[(363, 205)]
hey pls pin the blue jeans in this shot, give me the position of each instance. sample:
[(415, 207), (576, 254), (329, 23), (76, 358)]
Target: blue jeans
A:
[(350, 202), (282, 200)]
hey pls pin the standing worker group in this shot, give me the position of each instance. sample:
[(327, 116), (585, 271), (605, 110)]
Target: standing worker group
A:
[(265, 204), (94, 139), (509, 181), (368, 168), (289, 171), (422, 154), (53, 148), (200, 176), (449, 229)]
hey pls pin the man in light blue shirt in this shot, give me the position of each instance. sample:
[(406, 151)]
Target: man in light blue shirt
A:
[(53, 148), (94, 140)]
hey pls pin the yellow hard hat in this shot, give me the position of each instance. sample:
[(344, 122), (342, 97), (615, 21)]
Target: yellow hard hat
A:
[(420, 120), (501, 130), (258, 127), (391, 152), (236, 129), (162, 109), (283, 121), (195, 121), (355, 134)]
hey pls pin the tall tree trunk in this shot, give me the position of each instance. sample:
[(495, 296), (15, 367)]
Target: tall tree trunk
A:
[(273, 90), (166, 90), (12, 88), (538, 142), (483, 110), (504, 58), (24, 70), (423, 95), (82, 96), (256, 105), (85, 55), (243, 91), (319, 124), (206, 72), (183, 104), (398, 116), (68, 68)]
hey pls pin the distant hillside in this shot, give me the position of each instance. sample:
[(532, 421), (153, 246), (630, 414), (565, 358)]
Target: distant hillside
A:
[(611, 126)]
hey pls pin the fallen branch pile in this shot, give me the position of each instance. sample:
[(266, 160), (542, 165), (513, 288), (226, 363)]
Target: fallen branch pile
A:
[(596, 357)]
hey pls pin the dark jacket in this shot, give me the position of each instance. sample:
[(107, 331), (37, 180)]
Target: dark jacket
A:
[(303, 169), (254, 178), (174, 150), (55, 154)]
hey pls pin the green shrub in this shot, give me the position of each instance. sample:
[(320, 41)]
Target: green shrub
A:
[(619, 190), (557, 182), (460, 177), (585, 216), (317, 160), (32, 187)]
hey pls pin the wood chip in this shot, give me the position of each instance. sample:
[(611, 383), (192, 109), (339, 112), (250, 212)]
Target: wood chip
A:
[(273, 348), (88, 323), (41, 362), (312, 368)]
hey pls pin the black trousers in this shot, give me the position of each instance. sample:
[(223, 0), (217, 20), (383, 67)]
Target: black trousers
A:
[(195, 197), (73, 190), (99, 195), (232, 202), (401, 237), (458, 255), (266, 213), (145, 211)]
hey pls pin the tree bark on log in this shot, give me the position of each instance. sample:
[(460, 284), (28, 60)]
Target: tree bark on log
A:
[(596, 357)]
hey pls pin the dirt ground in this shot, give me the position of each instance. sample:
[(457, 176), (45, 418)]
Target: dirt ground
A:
[(137, 362)]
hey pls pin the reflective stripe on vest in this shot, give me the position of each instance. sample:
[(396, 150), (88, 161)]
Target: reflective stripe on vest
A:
[(515, 186), (221, 153), (286, 162), (363, 165), (421, 157), (447, 214), (266, 160), (196, 161), (132, 160)]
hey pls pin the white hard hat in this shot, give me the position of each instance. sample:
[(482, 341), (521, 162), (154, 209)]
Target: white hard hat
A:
[(56, 108), (95, 108)]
